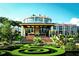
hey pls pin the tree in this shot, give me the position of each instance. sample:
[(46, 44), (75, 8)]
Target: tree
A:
[(6, 31), (15, 23), (2, 19), (12, 22)]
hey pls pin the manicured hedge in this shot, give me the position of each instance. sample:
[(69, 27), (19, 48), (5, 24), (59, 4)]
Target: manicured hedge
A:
[(34, 51), (45, 51), (2, 52)]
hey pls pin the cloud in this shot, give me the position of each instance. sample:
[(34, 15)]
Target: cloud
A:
[(74, 21)]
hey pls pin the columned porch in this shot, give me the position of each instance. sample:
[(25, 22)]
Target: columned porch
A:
[(32, 29)]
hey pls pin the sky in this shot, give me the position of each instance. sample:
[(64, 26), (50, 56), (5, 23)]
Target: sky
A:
[(58, 12)]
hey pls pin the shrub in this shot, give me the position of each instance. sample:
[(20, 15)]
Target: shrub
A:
[(62, 37), (56, 41), (37, 40)]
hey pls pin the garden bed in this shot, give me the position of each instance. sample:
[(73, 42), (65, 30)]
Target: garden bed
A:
[(38, 51)]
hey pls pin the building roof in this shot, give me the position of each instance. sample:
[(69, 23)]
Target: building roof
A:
[(37, 24), (64, 24)]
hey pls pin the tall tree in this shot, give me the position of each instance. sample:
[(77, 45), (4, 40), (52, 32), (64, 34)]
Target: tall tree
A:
[(6, 30), (2, 19)]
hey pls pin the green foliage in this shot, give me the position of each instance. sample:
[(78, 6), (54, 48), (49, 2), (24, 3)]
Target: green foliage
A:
[(6, 33), (35, 50), (25, 46), (5, 43), (57, 42), (70, 39), (2, 52), (69, 36), (6, 30), (15, 23), (2, 19), (70, 45), (55, 38), (62, 37), (42, 51), (37, 40), (18, 37)]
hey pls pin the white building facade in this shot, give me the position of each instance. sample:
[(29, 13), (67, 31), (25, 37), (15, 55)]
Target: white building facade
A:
[(43, 25), (66, 29)]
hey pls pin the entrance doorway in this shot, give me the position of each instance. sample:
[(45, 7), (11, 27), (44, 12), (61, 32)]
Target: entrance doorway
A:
[(36, 30)]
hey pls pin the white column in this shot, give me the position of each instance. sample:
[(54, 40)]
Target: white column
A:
[(22, 31), (43, 19), (34, 19), (51, 30), (51, 27)]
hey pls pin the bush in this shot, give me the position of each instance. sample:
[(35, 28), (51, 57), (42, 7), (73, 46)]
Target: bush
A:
[(57, 41), (37, 40), (69, 36), (70, 39), (18, 37), (62, 37)]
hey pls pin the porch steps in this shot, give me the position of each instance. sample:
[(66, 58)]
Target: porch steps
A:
[(29, 39)]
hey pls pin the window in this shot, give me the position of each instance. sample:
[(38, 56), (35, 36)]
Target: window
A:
[(73, 28), (29, 30), (47, 20), (54, 27), (38, 20), (30, 20), (60, 28), (67, 28)]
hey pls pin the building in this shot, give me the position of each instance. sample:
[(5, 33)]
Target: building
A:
[(43, 26), (36, 25), (66, 29), (78, 29)]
